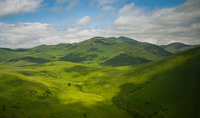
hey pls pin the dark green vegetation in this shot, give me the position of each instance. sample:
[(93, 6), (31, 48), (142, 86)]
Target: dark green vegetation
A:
[(36, 83), (177, 47)]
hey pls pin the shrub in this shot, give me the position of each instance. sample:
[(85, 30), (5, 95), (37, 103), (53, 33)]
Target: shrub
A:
[(163, 109), (48, 92), (4, 107), (85, 115), (69, 84), (147, 102)]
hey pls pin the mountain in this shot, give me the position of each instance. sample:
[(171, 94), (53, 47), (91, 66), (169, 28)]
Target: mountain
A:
[(177, 47), (50, 48), (100, 51), (97, 51), (103, 51), (166, 88), (128, 40), (154, 49)]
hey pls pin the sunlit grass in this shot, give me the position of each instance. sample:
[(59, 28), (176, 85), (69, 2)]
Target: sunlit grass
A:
[(168, 87)]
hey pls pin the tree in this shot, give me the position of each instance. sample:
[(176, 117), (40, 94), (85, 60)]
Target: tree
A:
[(69, 84), (85, 115), (4, 107)]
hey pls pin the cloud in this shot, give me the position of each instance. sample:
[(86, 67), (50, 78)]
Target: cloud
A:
[(26, 35), (23, 33), (14, 7), (130, 9), (79, 34), (107, 8), (80, 22), (65, 5), (160, 26)]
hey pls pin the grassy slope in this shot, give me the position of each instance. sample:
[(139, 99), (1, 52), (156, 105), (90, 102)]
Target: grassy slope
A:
[(97, 50), (154, 49), (165, 88), (169, 87), (36, 91)]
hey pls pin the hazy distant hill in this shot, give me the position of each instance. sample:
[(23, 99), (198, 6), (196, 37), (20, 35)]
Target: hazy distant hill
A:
[(177, 47)]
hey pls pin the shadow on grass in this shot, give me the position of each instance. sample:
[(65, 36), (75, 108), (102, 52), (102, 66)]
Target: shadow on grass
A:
[(32, 60), (72, 57), (123, 60), (82, 70)]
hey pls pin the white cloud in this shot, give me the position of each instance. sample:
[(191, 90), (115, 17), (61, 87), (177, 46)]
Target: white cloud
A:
[(131, 9), (160, 26), (107, 8), (13, 7), (23, 33), (80, 22), (78, 34), (26, 35)]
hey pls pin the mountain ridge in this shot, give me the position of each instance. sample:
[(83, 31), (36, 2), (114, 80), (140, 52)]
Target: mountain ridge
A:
[(96, 51)]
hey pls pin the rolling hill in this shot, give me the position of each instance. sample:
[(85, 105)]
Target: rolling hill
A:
[(100, 51), (94, 52), (154, 49), (166, 88)]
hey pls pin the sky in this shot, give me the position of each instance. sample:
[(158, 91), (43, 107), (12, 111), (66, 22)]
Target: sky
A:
[(29, 23)]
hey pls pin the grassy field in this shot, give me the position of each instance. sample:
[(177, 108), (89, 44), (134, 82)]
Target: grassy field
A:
[(167, 88)]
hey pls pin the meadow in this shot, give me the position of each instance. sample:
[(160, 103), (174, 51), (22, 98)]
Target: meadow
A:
[(35, 87)]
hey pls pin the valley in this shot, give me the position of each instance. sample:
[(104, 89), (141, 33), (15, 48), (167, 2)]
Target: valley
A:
[(100, 78)]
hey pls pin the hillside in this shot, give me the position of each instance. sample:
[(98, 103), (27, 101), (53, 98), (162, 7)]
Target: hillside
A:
[(100, 51), (94, 52), (177, 47), (154, 49), (167, 88)]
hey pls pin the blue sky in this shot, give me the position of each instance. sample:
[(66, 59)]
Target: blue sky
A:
[(27, 23)]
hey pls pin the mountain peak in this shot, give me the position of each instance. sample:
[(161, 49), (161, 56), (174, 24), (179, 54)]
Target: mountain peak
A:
[(128, 40)]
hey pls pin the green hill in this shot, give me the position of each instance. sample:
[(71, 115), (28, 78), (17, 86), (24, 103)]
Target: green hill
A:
[(101, 51), (50, 48), (167, 88), (94, 52), (177, 47), (154, 49)]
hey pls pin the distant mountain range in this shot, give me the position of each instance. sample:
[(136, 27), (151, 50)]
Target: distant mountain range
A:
[(97, 51)]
